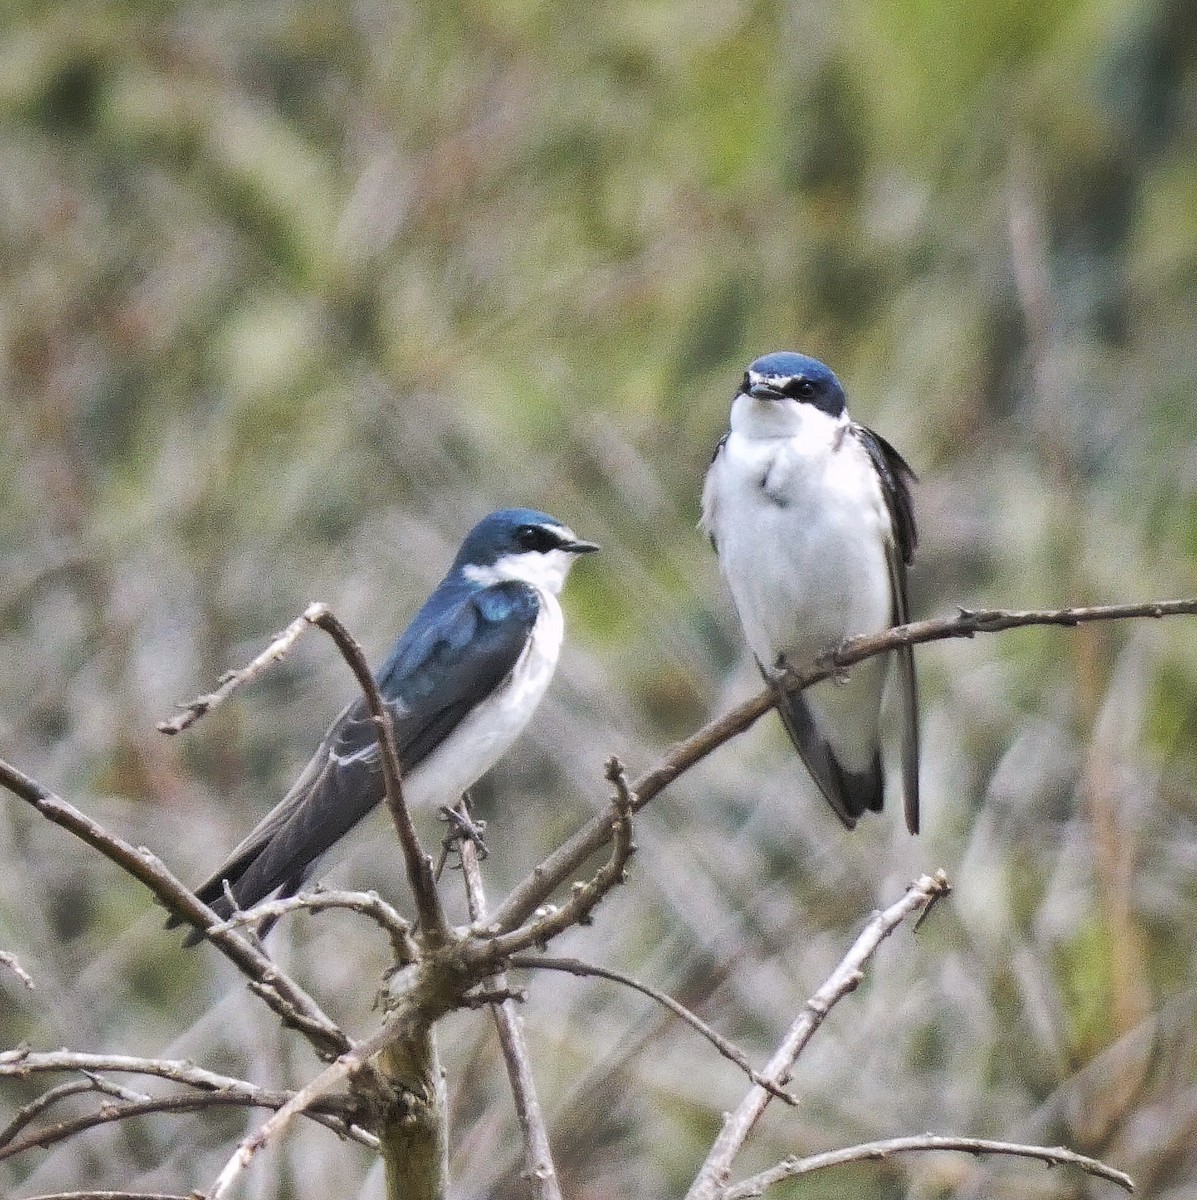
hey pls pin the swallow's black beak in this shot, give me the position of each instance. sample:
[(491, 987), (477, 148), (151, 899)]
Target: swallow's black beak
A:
[(765, 391), (580, 547)]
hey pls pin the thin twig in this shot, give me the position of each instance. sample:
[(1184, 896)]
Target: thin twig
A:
[(39, 1105), (712, 1177), (338, 1114), (729, 1050), (288, 1000), (180, 1102), (790, 1168), (538, 1155), (564, 861), (369, 904), (434, 927), (230, 681), (112, 1196), (10, 961), (493, 947)]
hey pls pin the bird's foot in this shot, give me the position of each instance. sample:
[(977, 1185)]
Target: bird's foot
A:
[(829, 660), (464, 828)]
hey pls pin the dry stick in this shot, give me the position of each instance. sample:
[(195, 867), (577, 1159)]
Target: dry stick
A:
[(419, 866), (790, 1168), (554, 870), (111, 1196), (369, 904), (538, 1155), (283, 994), (10, 961), (231, 680), (712, 1177), (729, 1050), (434, 927)]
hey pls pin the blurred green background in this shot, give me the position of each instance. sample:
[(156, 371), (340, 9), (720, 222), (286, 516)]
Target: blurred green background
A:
[(294, 292)]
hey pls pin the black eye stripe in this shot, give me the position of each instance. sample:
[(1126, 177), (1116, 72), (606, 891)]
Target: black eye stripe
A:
[(799, 387), (536, 538)]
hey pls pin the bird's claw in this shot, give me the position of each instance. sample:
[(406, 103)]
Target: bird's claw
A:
[(464, 828)]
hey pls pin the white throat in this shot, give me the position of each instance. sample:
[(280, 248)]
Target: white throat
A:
[(545, 571), (761, 420)]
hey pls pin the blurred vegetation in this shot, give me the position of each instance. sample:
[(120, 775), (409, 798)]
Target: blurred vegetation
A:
[(293, 292)]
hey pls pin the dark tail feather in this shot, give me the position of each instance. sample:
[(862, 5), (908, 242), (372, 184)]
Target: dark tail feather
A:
[(850, 794)]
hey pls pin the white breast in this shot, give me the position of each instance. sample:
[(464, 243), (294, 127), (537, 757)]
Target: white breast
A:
[(801, 529), (487, 733)]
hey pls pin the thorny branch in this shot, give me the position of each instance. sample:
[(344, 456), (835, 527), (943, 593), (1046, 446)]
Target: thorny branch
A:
[(791, 1168)]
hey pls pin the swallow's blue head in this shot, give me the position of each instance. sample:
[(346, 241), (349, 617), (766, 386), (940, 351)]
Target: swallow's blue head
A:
[(785, 375), (520, 544)]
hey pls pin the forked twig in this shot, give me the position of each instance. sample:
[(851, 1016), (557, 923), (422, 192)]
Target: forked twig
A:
[(713, 1175)]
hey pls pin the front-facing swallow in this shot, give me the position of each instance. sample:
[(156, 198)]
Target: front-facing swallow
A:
[(811, 517)]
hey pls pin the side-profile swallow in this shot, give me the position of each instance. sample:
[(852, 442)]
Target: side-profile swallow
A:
[(461, 683)]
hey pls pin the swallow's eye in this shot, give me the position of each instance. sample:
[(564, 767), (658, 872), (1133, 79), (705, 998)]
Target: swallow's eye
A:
[(535, 538), (800, 388)]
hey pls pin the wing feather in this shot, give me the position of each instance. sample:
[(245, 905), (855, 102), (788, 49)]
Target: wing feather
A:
[(457, 650)]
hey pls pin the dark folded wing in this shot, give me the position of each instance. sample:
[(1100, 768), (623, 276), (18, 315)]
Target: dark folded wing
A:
[(896, 477), (849, 793), (454, 654)]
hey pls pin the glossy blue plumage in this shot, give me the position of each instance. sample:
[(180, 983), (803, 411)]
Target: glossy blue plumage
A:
[(461, 682)]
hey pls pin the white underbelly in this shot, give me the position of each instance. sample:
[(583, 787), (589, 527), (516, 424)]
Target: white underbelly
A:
[(485, 735), (807, 573)]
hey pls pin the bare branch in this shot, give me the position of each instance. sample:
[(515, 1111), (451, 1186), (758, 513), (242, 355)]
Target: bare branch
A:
[(230, 681), (288, 1000), (729, 1050), (335, 1073), (563, 862), (369, 904), (111, 1196), (583, 896), (213, 1089), (791, 1168), (712, 1177), (538, 1155), (177, 1103), (10, 961), (419, 866), (433, 925)]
